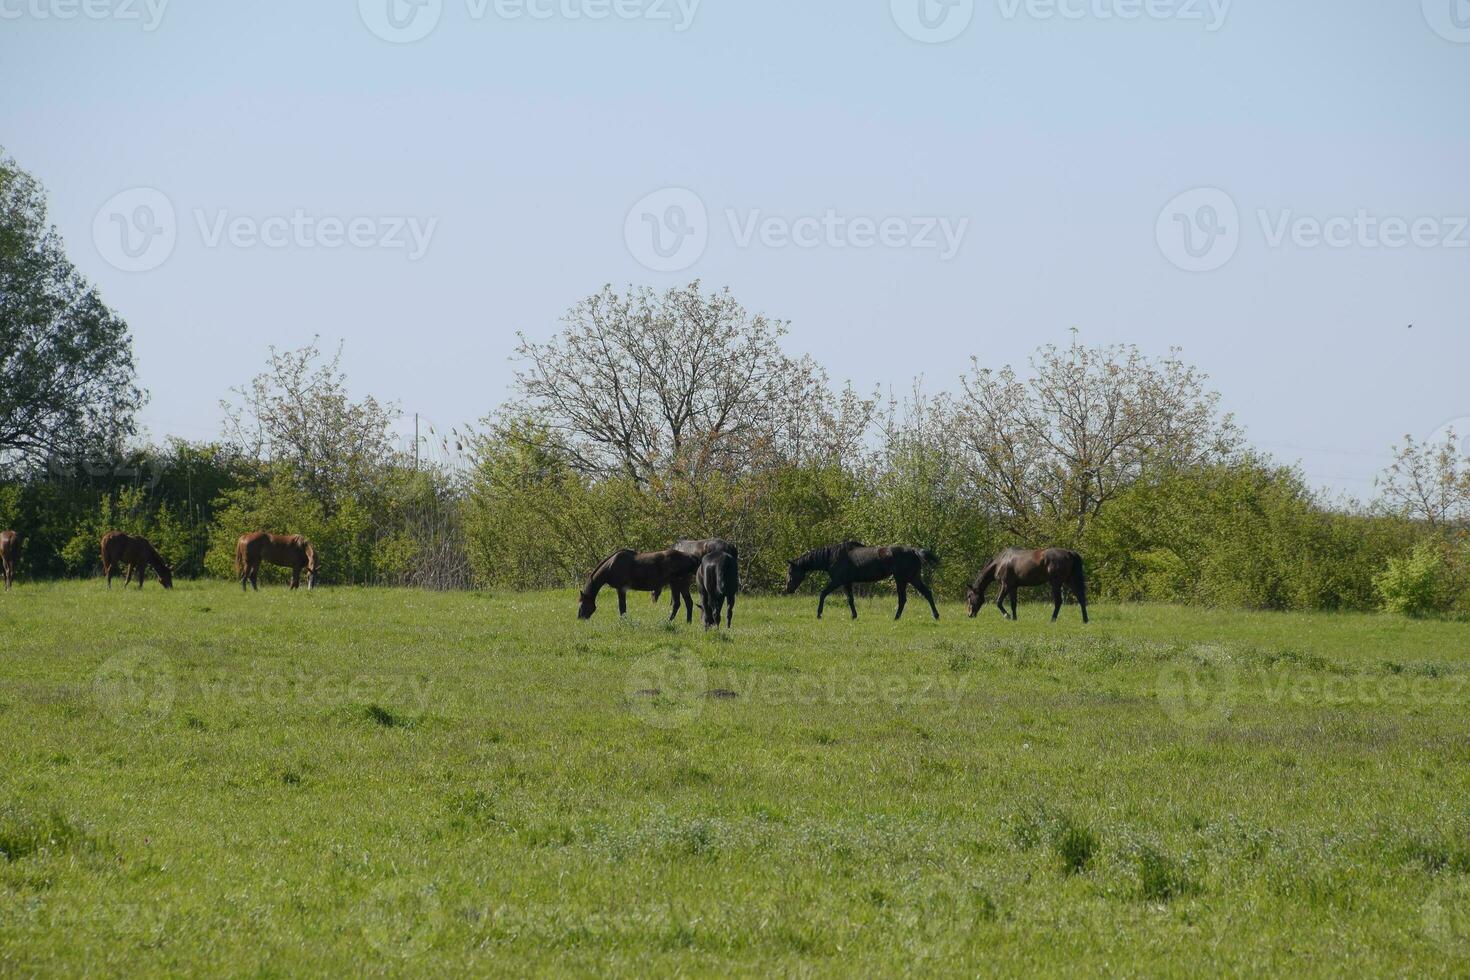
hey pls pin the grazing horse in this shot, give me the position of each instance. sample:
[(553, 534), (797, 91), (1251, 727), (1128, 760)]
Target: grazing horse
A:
[(287, 550), (137, 554), (648, 571), (719, 580), (1016, 567), (9, 554), (698, 549), (853, 561)]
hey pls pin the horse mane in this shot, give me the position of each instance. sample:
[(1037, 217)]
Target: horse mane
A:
[(823, 557)]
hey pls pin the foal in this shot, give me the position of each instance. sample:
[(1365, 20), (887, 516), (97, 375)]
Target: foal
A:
[(853, 561)]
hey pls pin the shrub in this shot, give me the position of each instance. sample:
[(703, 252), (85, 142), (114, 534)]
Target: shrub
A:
[(1420, 584)]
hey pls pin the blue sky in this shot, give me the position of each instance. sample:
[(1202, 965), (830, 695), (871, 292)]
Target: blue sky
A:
[(1061, 142)]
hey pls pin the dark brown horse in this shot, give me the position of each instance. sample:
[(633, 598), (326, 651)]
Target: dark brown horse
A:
[(287, 550), (719, 580), (648, 571), (9, 555), (852, 561), (1017, 567), (137, 554)]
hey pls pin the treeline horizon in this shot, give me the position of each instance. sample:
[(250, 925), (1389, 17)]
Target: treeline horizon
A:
[(653, 416)]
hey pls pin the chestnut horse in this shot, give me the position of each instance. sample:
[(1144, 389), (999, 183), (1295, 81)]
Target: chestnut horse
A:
[(137, 554), (648, 571), (1016, 567), (287, 550), (853, 561), (9, 554)]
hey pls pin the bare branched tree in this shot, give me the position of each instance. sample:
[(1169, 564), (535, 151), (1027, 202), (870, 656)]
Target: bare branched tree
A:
[(299, 413), (1050, 451), (645, 385), (1428, 482)]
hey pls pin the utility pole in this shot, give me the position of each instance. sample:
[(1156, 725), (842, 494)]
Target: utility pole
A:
[(415, 440)]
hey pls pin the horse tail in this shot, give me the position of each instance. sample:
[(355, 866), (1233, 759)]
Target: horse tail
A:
[(729, 575), (1079, 580), (240, 556)]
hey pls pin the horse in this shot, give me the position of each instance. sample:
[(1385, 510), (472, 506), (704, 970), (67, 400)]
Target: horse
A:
[(135, 552), (853, 561), (9, 555), (643, 572), (287, 550), (1016, 567), (698, 548), (719, 580)]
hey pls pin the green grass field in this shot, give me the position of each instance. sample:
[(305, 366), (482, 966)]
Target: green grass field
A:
[(389, 782)]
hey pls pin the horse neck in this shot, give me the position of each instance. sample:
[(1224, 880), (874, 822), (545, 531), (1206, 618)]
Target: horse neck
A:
[(816, 560), (987, 575)]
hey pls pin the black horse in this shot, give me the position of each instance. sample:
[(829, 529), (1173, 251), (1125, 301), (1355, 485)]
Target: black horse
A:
[(853, 561), (1016, 567), (697, 549), (642, 572), (719, 580)]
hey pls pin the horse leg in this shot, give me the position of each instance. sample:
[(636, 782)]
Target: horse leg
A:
[(851, 602), (729, 610), (673, 592), (903, 597), (622, 601), (927, 594), (1079, 589), (1000, 600), (107, 570), (1056, 599), (244, 576), (1015, 588), (688, 605), (295, 576), (822, 599)]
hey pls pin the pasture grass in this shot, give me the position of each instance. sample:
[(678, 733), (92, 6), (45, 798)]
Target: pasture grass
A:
[(357, 781)]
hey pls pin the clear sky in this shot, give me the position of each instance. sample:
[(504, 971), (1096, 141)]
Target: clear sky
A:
[(908, 185)]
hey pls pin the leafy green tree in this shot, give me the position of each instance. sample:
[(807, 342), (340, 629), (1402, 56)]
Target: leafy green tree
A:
[(69, 392)]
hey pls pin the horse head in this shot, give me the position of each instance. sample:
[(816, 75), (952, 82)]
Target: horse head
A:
[(587, 605), (794, 576)]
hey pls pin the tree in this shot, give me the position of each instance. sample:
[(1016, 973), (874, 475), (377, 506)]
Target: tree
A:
[(1428, 482), (1051, 450), (298, 413), (681, 384), (69, 392)]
